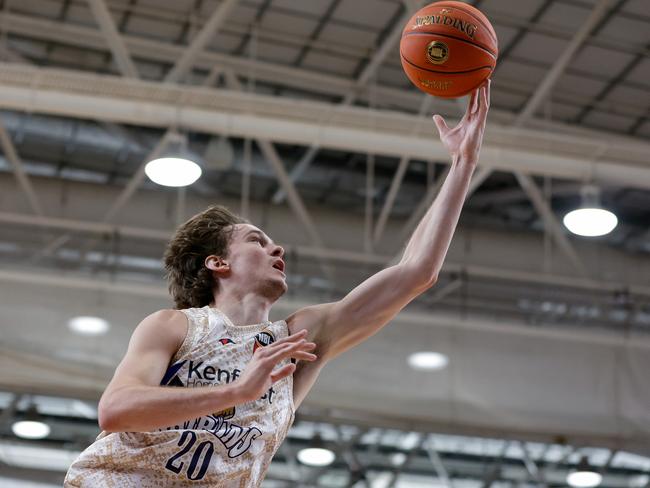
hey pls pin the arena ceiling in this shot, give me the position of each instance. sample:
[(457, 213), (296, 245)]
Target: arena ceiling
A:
[(301, 117)]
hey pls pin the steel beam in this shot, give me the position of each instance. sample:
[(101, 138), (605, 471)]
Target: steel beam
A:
[(185, 63), (296, 172), (122, 199), (390, 198), (295, 201), (534, 471), (409, 457), (550, 221), (439, 466), (222, 112), (552, 75), (19, 170), (441, 292), (477, 179), (362, 80), (12, 56), (136, 179), (427, 101), (85, 37), (113, 38), (8, 412), (338, 255), (423, 206)]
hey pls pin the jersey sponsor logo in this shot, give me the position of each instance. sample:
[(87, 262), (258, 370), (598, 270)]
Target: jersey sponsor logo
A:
[(263, 339), (171, 378), (200, 374)]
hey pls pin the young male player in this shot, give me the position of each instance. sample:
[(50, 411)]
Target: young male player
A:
[(201, 397)]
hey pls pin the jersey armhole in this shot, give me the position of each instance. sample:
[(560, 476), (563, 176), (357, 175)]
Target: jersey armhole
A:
[(188, 341)]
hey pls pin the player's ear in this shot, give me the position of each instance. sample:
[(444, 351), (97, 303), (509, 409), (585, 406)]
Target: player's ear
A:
[(217, 263)]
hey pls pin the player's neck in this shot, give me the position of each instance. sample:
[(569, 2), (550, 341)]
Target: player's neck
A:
[(243, 309)]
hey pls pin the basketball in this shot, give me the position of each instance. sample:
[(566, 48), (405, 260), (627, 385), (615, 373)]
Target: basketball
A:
[(448, 49)]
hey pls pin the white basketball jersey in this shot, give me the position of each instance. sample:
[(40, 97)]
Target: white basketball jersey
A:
[(225, 449)]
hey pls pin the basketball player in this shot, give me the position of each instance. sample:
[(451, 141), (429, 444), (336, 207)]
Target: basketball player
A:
[(206, 392)]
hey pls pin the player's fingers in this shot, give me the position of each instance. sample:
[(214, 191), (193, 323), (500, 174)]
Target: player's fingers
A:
[(283, 372), (476, 100), (440, 124), (485, 94), (304, 356)]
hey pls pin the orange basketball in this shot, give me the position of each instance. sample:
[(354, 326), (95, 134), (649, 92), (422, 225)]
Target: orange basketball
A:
[(448, 49)]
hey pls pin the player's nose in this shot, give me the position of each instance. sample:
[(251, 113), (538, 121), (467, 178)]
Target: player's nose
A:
[(278, 251)]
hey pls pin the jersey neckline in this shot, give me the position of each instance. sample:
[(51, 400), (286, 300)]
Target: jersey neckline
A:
[(239, 329)]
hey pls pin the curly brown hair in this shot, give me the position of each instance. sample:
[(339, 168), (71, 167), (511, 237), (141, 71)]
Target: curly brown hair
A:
[(190, 283)]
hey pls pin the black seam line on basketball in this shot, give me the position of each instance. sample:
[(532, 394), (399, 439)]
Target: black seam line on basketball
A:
[(444, 72), (493, 36), (453, 37)]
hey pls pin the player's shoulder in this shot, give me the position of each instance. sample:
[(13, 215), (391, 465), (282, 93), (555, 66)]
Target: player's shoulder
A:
[(165, 316), (169, 322)]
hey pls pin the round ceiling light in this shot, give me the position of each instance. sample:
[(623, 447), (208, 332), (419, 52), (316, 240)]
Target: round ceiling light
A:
[(89, 325), (316, 456), (584, 475), (31, 429), (174, 172), (584, 479), (590, 222), (428, 360)]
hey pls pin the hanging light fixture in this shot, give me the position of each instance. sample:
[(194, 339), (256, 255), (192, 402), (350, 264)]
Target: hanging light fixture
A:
[(175, 168), (316, 454), (590, 219), (584, 476), (85, 325), (428, 360), (31, 426)]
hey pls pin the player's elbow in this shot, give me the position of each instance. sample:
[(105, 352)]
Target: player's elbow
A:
[(418, 277), (428, 281), (107, 415), (105, 419)]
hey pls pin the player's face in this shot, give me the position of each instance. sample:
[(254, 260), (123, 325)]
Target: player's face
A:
[(256, 261)]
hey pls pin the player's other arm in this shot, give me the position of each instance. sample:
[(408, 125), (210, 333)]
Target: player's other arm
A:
[(134, 401), (377, 300)]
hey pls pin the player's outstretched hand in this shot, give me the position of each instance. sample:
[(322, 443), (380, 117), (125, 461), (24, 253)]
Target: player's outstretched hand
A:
[(464, 140), (261, 373)]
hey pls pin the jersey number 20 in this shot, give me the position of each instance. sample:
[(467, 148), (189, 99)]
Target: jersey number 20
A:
[(203, 450)]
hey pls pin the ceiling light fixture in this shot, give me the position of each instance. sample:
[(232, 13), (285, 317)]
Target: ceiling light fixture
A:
[(31, 426), (316, 454), (428, 360), (584, 476), (590, 219), (89, 325), (175, 168)]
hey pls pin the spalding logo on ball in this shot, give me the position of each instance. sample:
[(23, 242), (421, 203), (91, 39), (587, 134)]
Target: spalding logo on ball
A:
[(448, 49)]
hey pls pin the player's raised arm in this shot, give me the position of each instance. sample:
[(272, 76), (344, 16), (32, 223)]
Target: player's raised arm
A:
[(377, 300)]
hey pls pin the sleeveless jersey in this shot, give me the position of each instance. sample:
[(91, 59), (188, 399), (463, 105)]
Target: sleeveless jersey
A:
[(228, 449)]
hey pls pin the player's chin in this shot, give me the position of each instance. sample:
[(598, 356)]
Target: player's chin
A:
[(284, 287), (279, 286)]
